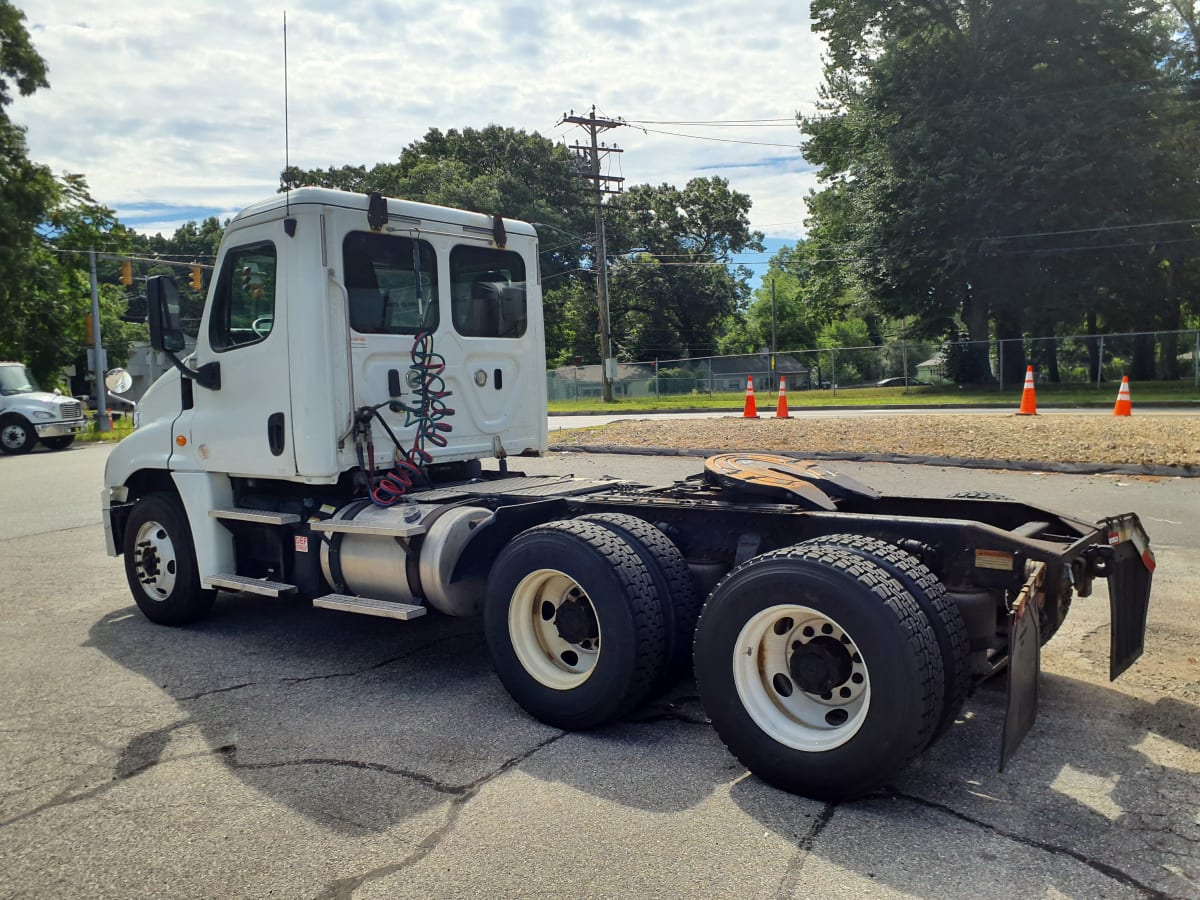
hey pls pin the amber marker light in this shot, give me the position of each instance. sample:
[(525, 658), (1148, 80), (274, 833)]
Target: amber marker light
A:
[(180, 440)]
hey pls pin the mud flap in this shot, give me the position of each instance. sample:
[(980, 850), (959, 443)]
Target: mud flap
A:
[(1024, 663), (1129, 577)]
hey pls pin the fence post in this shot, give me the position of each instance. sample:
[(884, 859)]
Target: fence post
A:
[(1196, 362), (1100, 362), (833, 372), (656, 394), (1000, 358)]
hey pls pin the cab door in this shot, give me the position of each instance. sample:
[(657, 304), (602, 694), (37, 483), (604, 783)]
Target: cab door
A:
[(244, 427)]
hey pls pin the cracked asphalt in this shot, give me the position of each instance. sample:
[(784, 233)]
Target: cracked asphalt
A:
[(280, 751)]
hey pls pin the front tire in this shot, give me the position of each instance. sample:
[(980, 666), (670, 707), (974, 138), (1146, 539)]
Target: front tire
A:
[(574, 624), (16, 436), (819, 674), (160, 563)]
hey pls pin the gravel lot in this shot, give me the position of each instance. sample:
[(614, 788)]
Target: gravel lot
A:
[(1136, 440)]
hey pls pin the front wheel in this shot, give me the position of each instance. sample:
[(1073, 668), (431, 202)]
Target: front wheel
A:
[(160, 563), (16, 436), (820, 674), (574, 624)]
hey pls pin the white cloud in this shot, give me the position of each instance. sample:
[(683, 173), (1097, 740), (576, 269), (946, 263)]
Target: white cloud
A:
[(182, 107)]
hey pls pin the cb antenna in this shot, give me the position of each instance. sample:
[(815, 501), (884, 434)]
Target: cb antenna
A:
[(289, 224)]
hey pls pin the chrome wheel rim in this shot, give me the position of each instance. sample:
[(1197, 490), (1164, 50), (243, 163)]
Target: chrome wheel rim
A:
[(154, 561)]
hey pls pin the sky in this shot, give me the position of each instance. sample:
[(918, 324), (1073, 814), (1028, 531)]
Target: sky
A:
[(175, 112)]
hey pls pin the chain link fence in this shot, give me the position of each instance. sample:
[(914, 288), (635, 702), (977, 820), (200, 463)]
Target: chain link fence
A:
[(1071, 359)]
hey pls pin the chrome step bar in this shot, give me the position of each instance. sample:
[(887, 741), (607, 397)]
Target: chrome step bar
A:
[(262, 516), (368, 607), (260, 586)]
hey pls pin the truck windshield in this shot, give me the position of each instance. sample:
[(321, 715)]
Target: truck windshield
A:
[(16, 380)]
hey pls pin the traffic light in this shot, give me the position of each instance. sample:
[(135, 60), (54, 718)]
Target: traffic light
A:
[(196, 280), (126, 273)]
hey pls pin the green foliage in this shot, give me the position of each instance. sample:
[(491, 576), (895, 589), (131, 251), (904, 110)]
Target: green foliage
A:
[(672, 290), (993, 164), (676, 381), (20, 63)]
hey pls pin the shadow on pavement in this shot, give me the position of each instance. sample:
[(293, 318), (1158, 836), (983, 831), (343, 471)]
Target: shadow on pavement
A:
[(1104, 779), (360, 724)]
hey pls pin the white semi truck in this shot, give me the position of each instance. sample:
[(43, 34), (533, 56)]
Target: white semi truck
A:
[(361, 358)]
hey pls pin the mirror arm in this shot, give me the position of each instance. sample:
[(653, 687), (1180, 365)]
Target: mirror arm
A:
[(207, 376)]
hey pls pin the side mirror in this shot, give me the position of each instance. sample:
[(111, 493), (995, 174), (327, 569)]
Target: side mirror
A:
[(118, 381), (166, 335), (162, 308)]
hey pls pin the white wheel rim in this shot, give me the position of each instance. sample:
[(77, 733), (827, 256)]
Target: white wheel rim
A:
[(154, 561), (13, 437), (770, 692), (559, 661)]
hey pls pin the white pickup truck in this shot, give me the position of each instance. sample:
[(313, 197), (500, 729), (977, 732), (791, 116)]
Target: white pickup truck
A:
[(29, 415)]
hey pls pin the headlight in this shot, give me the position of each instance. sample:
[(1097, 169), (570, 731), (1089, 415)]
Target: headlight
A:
[(42, 414)]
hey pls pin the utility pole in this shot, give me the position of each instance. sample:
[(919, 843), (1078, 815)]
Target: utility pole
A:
[(591, 153), (773, 347), (98, 359)]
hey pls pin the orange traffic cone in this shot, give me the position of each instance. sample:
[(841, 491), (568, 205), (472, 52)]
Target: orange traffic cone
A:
[(751, 410), (1123, 407), (1028, 397), (781, 407)]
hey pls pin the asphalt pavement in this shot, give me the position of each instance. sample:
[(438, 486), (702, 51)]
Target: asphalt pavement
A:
[(277, 750)]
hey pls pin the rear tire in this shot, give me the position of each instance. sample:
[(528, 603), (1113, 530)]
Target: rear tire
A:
[(943, 614), (673, 582), (574, 624), (160, 562), (819, 674)]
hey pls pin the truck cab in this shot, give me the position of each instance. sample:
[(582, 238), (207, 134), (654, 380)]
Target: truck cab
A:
[(326, 312), (29, 415)]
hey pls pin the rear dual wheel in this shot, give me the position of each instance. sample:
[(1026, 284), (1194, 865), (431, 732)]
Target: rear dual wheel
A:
[(677, 595), (945, 618), (819, 672), (574, 624)]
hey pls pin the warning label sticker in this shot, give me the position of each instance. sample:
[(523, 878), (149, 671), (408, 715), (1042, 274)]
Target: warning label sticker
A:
[(302, 543), (994, 559)]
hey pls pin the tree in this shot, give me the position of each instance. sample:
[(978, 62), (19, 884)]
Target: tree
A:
[(673, 289), (974, 149)]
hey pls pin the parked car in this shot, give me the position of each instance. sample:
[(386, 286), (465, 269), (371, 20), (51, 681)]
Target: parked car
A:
[(900, 381)]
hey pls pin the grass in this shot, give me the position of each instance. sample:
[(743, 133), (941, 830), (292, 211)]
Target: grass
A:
[(1047, 394), (122, 426)]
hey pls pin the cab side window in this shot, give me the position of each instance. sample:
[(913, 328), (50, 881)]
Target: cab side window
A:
[(244, 306), (391, 282), (487, 292)]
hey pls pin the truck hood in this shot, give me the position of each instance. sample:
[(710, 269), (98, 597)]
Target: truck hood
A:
[(64, 407)]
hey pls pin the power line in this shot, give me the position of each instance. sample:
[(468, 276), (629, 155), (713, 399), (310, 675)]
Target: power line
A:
[(700, 137)]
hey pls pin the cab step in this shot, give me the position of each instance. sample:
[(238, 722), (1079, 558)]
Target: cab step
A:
[(261, 516), (260, 586), (368, 607)]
